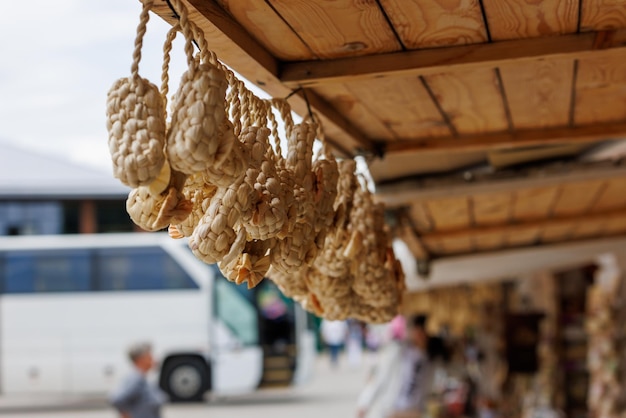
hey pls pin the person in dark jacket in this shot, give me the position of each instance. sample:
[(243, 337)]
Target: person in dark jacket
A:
[(136, 398)]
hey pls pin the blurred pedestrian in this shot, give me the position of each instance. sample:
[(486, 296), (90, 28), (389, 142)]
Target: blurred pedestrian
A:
[(334, 335), (354, 344), (400, 384), (136, 397)]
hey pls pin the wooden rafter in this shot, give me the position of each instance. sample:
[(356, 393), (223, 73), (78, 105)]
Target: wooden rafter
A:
[(238, 49), (407, 232), (442, 60), (403, 193), (516, 228), (515, 139)]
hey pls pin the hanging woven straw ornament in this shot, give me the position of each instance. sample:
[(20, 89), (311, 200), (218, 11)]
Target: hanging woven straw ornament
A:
[(136, 121), (298, 247), (215, 238), (199, 193), (154, 210), (259, 196), (196, 139), (251, 265)]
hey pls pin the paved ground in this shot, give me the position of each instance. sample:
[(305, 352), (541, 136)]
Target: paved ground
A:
[(331, 393)]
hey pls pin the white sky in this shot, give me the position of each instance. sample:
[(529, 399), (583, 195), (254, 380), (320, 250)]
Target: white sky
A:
[(57, 63)]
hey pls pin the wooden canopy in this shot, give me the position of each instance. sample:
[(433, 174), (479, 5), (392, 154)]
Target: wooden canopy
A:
[(482, 120)]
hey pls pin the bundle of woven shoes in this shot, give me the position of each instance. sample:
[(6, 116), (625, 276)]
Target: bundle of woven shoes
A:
[(216, 174)]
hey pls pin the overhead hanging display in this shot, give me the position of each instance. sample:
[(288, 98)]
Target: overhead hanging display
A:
[(214, 172)]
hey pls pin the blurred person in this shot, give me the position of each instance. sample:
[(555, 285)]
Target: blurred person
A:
[(334, 334), (354, 344), (136, 397), (400, 384)]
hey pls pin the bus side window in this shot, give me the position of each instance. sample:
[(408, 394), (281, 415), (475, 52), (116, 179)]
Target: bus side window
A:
[(52, 271), (236, 310), (146, 268)]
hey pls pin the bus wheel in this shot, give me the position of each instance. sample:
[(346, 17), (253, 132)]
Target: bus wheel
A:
[(185, 379)]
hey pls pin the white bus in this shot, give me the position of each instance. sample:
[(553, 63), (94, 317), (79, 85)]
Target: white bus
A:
[(71, 305)]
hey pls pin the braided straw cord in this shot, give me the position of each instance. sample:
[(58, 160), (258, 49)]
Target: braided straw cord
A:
[(135, 120), (165, 68), (251, 265), (195, 141)]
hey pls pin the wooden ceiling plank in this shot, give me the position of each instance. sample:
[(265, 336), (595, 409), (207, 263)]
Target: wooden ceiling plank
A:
[(262, 22), (588, 229), (457, 245), (513, 19), (534, 203), (339, 28), (522, 237), (449, 213), (442, 60), (406, 232), (538, 92), (432, 23), (555, 227), (239, 50), (577, 198), (488, 241), (405, 193), (421, 217), (356, 111), (492, 208), (471, 99), (600, 90), (613, 196), (403, 105), (557, 233), (602, 14), (517, 139)]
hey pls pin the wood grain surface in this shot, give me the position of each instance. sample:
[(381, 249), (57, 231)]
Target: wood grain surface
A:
[(403, 105), (539, 92), (339, 28), (600, 90), (512, 19), (433, 23), (602, 14), (471, 99), (262, 22)]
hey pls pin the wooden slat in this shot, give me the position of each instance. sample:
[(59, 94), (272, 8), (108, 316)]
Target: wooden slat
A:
[(523, 237), (512, 19), (403, 193), (549, 229), (505, 140), (557, 233), (538, 92), (612, 197), (602, 14), (420, 217), (238, 49), (450, 213), (615, 226), (488, 241), (534, 203), (471, 99), (456, 245), (262, 22), (441, 60), (339, 28), (588, 229), (407, 234), (403, 105), (355, 111), (492, 208), (577, 198), (432, 23), (600, 90)]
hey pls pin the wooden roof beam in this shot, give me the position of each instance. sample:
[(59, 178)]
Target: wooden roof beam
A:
[(441, 60), (514, 228), (406, 192), (510, 140), (238, 49)]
